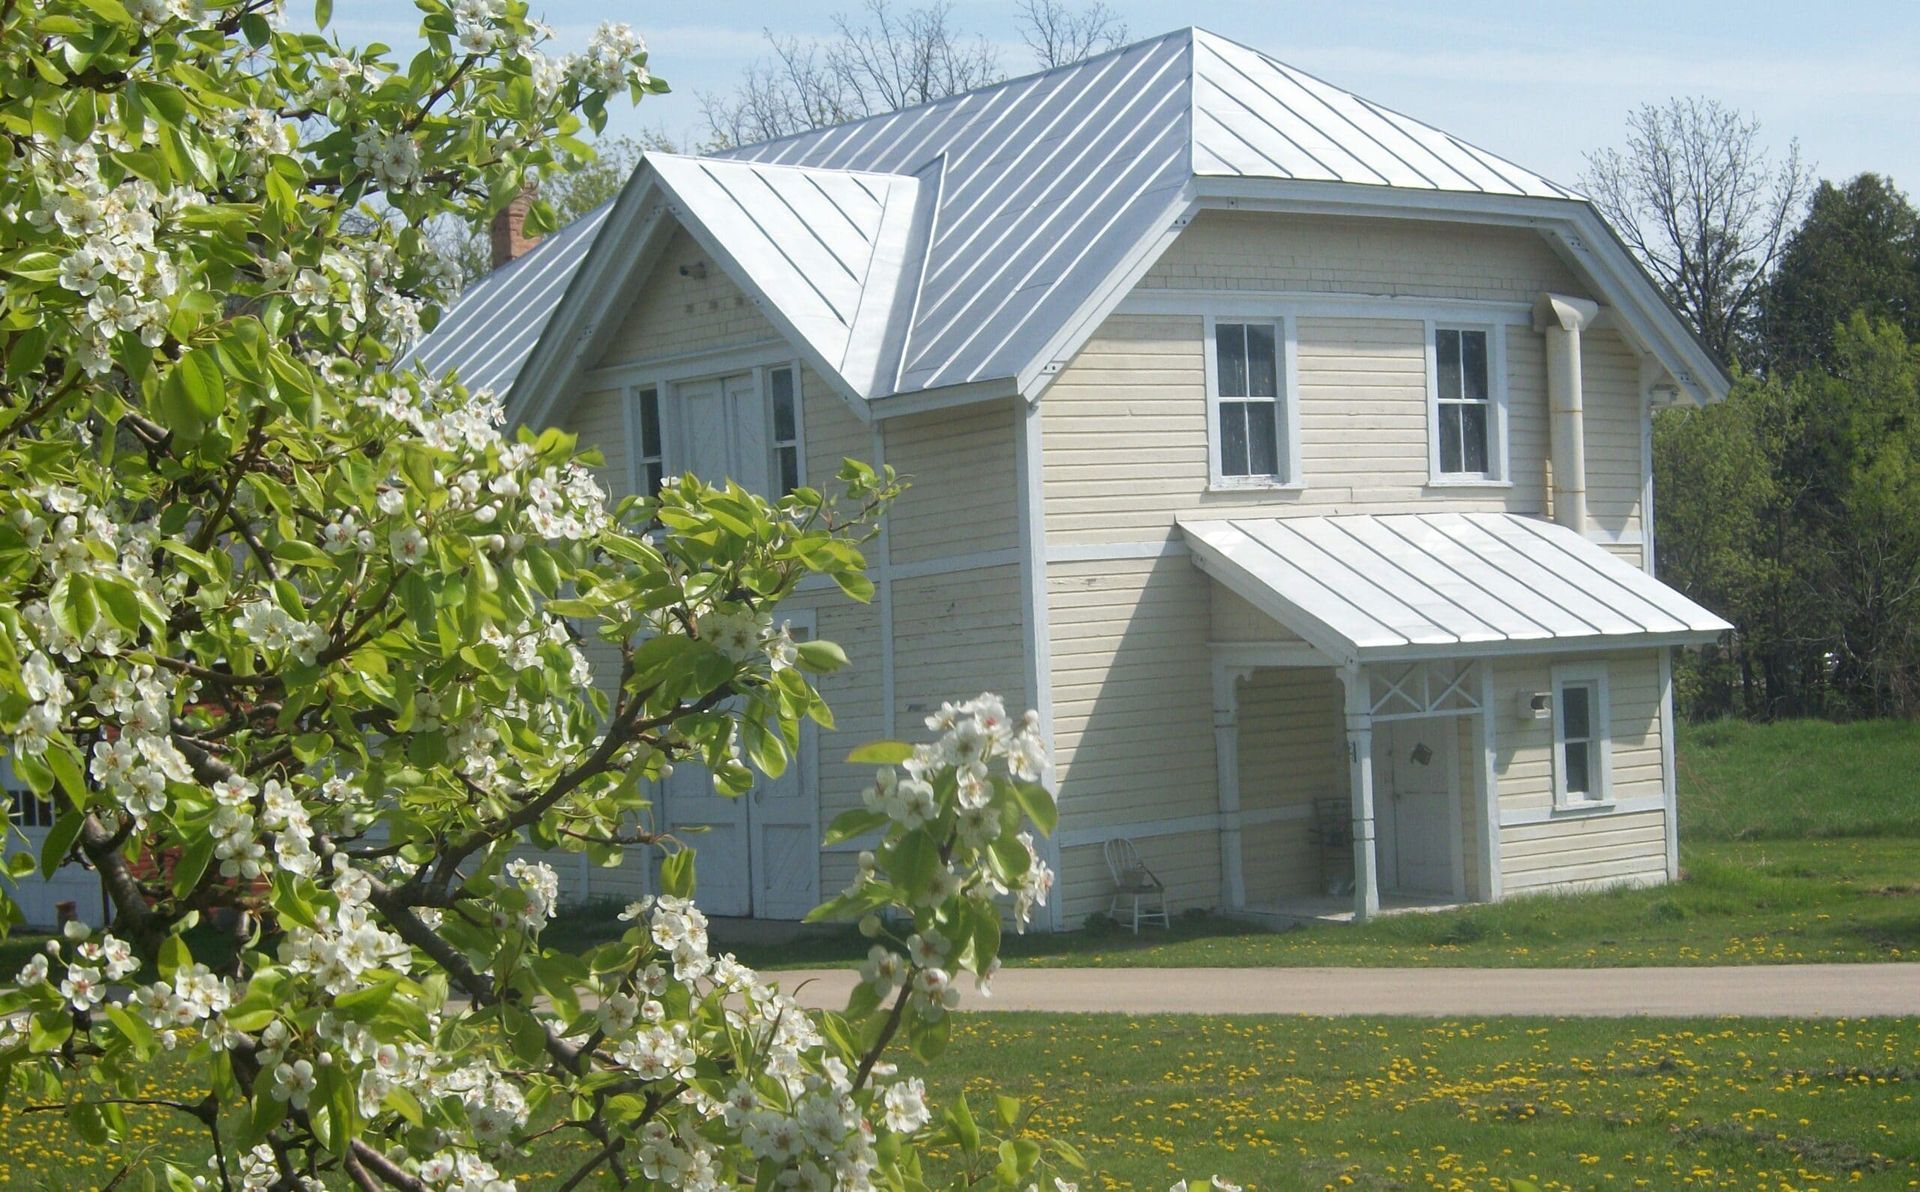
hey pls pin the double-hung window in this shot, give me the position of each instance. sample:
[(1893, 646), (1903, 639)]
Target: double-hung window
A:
[(649, 446), (1467, 407), (1582, 745), (1249, 433), (783, 409)]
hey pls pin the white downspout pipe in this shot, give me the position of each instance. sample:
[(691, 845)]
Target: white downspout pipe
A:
[(1561, 320)]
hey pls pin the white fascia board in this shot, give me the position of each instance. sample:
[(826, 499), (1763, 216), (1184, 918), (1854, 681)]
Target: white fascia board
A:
[(1060, 348), (1587, 644), (556, 357), (920, 401)]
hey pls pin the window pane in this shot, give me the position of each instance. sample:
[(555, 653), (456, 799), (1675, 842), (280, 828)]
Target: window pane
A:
[(1263, 375), (1576, 712), (789, 461), (1263, 447), (656, 475), (650, 422), (1230, 340), (1473, 436), (780, 380), (1578, 780), (1473, 364), (1233, 438), (1447, 352), (1450, 437)]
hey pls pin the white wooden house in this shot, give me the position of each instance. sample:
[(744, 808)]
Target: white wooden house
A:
[(1290, 456)]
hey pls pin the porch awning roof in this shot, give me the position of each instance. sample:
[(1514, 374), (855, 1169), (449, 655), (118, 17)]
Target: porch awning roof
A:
[(1435, 585)]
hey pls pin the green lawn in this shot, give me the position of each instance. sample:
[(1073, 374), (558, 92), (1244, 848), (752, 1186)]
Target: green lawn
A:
[(1798, 778), (1283, 1103)]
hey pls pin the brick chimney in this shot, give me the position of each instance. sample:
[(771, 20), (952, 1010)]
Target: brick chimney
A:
[(510, 239)]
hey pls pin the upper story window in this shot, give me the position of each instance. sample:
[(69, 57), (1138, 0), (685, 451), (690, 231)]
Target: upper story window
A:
[(1582, 745), (650, 449), (1250, 439), (1467, 406), (783, 407), (27, 810)]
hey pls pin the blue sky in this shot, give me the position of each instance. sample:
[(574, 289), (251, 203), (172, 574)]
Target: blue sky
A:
[(1538, 82)]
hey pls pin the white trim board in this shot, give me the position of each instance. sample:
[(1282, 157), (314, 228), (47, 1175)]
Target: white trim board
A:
[(1520, 817), (1182, 826), (1295, 304)]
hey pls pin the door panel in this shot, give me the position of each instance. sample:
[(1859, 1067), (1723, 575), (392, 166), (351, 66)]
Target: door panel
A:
[(1422, 793), (703, 438), (747, 427), (714, 826), (786, 839), (1416, 805)]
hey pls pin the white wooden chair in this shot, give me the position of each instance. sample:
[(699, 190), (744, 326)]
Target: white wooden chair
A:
[(1133, 880)]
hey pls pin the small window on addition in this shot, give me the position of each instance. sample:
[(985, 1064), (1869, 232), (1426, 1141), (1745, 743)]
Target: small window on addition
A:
[(653, 459), (1465, 402), (784, 404), (26, 811), (1581, 737)]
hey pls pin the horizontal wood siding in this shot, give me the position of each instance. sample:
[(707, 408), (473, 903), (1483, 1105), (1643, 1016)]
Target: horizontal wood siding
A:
[(1292, 753), (1610, 391), (1132, 704), (1580, 846), (962, 487), (1125, 439), (1245, 250), (1234, 620), (954, 637), (675, 314), (1189, 864)]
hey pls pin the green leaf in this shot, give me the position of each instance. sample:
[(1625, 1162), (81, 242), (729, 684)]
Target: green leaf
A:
[(137, 1032), (676, 874), (966, 1131), (174, 955), (881, 753), (60, 840), (821, 657), (1038, 806), (857, 822), (912, 860), (322, 13), (192, 864)]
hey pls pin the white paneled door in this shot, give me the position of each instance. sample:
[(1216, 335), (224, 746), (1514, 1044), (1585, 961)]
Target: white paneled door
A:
[(757, 854), (1416, 800), (723, 428)]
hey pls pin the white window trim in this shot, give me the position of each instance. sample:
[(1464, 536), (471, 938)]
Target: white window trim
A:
[(1600, 755), (762, 379), (671, 374), (1287, 404), (636, 439), (1497, 474)]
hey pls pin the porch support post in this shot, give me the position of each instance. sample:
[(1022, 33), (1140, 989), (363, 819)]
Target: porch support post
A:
[(1359, 709), (1226, 759), (1487, 790)]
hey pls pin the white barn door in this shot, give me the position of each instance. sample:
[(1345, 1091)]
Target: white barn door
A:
[(723, 431), (1418, 804)]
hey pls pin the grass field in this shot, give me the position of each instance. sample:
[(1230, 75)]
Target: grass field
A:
[(1283, 1103), (1797, 779)]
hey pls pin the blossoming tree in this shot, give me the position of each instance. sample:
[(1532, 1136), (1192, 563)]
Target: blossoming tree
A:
[(294, 642)]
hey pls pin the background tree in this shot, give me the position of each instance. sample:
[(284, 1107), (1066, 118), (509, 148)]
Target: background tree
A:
[(1857, 249), (1059, 34), (570, 193), (1704, 207), (885, 59)]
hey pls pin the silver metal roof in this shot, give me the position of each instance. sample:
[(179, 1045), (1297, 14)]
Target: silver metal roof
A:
[(1422, 585), (489, 331), (953, 242)]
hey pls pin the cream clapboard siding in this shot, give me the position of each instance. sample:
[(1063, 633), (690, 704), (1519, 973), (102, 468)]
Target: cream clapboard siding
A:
[(1246, 250), (675, 314), (960, 466), (1125, 422), (1581, 847), (1133, 724), (1234, 620), (1292, 753)]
